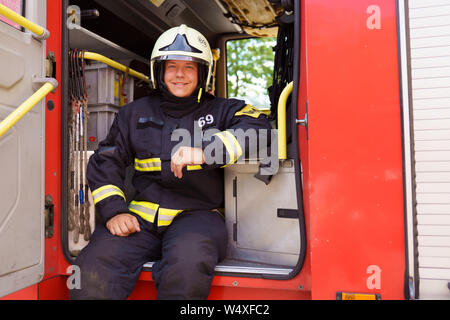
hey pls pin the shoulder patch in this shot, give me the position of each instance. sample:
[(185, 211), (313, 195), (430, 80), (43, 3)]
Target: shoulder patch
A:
[(251, 111)]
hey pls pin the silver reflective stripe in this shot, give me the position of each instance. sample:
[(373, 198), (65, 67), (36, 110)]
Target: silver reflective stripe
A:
[(106, 191), (147, 210), (231, 144), (151, 164), (165, 216)]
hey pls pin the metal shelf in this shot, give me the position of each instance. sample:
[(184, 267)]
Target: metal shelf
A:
[(82, 38)]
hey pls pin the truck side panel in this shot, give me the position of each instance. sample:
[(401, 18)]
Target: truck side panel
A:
[(355, 159)]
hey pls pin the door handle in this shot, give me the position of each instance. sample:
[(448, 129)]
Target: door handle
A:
[(49, 86), (304, 121)]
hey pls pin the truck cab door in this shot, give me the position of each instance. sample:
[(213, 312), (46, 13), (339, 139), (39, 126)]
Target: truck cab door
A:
[(22, 59)]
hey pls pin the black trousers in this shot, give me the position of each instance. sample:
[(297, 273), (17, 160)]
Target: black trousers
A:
[(185, 254)]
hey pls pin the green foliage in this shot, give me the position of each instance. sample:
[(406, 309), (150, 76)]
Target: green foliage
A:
[(250, 69)]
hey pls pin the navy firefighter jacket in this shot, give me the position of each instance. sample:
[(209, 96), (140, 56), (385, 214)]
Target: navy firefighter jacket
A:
[(144, 137)]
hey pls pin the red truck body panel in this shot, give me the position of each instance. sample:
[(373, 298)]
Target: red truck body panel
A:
[(351, 157)]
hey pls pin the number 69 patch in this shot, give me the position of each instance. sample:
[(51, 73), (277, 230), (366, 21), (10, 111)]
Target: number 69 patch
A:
[(208, 119)]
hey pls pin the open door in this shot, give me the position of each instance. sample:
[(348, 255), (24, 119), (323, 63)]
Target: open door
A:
[(22, 57)]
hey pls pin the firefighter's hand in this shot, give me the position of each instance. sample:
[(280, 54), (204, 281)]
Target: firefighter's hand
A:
[(123, 225), (185, 156)]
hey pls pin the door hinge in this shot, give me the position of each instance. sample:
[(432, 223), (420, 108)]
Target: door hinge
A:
[(287, 213), (50, 65), (49, 216)]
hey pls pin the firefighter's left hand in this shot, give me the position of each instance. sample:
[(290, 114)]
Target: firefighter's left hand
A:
[(185, 156)]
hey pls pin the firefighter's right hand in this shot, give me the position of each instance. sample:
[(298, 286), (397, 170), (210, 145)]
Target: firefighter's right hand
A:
[(123, 225)]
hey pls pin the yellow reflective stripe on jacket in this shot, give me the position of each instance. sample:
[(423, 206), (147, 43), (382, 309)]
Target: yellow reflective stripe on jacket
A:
[(154, 164), (165, 216), (151, 164), (251, 111), (106, 191), (147, 210), (194, 167), (232, 146)]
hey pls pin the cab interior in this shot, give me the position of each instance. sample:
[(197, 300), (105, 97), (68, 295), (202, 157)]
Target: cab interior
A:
[(264, 216)]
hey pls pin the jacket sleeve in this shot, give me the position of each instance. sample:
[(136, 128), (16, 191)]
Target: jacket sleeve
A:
[(106, 171), (246, 132)]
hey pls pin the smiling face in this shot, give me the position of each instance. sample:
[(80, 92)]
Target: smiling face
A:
[(181, 77)]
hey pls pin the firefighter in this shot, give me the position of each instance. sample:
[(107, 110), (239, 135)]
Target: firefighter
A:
[(173, 218)]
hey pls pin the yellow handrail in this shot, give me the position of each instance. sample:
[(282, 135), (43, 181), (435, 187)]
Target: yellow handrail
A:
[(26, 106), (39, 31), (282, 145), (115, 65)]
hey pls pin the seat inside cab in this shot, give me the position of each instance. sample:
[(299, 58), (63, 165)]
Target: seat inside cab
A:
[(262, 213)]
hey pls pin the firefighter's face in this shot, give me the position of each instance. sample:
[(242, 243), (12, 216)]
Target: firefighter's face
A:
[(181, 77)]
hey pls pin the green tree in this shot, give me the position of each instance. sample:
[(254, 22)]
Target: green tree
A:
[(250, 69)]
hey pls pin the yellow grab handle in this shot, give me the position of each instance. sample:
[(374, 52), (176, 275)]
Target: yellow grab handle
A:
[(26, 106), (40, 32), (282, 144), (115, 65)]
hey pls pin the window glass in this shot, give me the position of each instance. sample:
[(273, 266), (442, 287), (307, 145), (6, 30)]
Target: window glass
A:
[(15, 5), (250, 64)]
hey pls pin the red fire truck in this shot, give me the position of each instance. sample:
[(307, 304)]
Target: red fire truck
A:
[(360, 205)]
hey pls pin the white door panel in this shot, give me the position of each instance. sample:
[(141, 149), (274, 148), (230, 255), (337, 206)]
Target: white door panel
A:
[(21, 157)]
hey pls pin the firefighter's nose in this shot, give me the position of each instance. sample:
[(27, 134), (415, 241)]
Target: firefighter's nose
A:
[(180, 72)]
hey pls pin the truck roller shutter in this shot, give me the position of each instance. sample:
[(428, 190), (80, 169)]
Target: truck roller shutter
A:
[(429, 98)]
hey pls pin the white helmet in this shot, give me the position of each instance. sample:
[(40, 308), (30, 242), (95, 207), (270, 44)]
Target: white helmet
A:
[(181, 43)]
